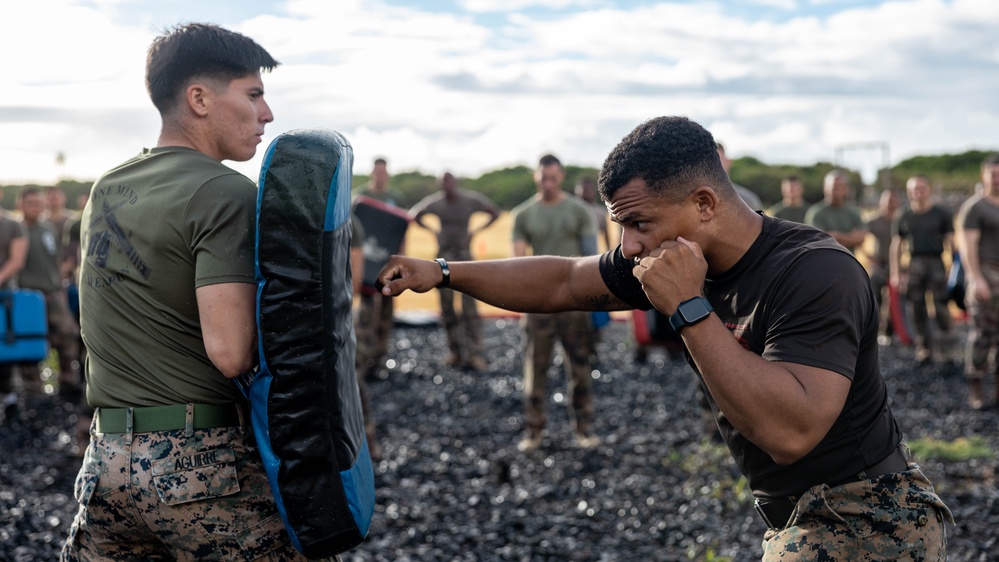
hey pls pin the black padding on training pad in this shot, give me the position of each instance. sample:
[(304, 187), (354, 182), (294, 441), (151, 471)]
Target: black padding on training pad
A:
[(306, 406)]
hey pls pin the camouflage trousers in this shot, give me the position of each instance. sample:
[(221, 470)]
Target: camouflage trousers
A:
[(373, 325), (167, 496), (983, 340), (574, 330), (464, 329), (892, 517), (927, 275)]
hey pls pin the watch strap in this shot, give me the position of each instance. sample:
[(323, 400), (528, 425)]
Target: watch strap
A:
[(445, 273)]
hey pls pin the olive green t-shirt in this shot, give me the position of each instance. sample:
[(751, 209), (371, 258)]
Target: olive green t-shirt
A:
[(834, 219), (156, 228), (41, 262), (389, 196), (454, 215), (10, 230), (981, 214), (553, 230)]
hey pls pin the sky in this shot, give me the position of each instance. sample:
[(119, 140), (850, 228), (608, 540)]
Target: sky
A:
[(470, 86)]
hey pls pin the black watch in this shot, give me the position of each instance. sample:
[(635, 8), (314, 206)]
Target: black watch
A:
[(690, 312)]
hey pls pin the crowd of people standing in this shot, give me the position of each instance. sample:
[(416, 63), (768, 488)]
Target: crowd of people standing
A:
[(40, 252), (780, 320)]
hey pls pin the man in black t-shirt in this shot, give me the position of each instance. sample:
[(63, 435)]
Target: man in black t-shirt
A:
[(780, 323), (924, 231)]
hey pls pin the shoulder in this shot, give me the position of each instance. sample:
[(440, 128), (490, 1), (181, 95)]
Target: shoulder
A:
[(525, 206), (577, 204)]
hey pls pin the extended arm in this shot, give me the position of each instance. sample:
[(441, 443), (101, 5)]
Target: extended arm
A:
[(228, 325), (541, 284)]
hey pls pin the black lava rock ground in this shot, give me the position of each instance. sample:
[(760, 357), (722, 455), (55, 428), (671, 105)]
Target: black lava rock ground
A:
[(452, 486)]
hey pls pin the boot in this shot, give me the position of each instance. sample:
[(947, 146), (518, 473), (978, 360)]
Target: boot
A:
[(976, 394)]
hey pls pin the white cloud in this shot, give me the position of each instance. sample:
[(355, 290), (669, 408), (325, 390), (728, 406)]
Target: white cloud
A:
[(514, 5), (440, 91)]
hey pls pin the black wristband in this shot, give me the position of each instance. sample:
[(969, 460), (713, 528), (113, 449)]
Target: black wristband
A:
[(445, 272)]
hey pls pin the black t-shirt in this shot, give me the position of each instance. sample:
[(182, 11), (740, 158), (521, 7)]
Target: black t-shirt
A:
[(925, 232), (797, 296)]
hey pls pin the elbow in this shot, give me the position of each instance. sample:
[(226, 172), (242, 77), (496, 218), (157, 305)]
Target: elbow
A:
[(784, 447), (230, 362), (786, 457), (791, 450)]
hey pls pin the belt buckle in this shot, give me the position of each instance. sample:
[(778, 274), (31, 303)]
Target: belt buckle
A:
[(759, 509)]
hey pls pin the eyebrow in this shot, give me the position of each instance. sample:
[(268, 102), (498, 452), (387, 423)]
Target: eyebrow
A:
[(622, 219)]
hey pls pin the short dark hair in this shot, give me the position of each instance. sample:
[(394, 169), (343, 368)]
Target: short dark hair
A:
[(672, 155), (28, 191), (199, 50), (380, 161), (990, 160), (549, 160), (792, 178)]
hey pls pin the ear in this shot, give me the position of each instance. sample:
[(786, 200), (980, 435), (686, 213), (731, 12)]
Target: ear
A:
[(197, 96), (706, 200)]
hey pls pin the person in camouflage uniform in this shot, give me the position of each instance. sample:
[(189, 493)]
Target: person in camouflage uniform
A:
[(979, 231), (454, 207), (554, 223), (168, 313), (780, 325), (373, 325), (924, 231)]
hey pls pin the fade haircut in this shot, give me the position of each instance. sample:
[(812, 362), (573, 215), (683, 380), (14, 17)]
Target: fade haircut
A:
[(672, 155), (199, 51)]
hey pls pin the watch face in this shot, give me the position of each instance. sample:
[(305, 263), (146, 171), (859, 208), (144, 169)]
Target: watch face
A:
[(694, 310)]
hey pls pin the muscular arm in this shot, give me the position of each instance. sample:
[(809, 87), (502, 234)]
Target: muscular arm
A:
[(228, 324), (540, 284), (784, 408), (15, 261)]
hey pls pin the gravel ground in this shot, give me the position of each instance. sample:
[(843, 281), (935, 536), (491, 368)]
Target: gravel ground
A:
[(452, 486)]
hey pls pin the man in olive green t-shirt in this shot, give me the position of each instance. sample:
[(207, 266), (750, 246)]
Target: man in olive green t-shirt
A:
[(834, 216), (168, 314), (41, 272), (554, 223)]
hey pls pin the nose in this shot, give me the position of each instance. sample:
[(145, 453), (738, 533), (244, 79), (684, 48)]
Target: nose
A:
[(630, 247), (266, 116)]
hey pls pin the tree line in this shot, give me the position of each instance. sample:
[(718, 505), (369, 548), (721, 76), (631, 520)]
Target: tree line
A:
[(950, 174)]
